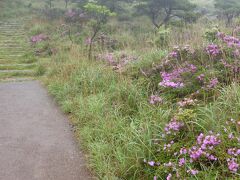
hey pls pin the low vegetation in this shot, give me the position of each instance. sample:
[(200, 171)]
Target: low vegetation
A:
[(150, 98)]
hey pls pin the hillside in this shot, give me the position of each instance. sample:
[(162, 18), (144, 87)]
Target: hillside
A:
[(150, 95)]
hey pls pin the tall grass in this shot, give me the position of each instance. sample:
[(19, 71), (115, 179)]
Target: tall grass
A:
[(110, 109)]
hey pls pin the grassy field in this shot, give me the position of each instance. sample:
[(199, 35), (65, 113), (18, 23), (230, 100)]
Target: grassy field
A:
[(149, 104)]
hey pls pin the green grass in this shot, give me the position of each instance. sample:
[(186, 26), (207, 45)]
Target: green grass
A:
[(108, 116), (114, 120), (110, 109)]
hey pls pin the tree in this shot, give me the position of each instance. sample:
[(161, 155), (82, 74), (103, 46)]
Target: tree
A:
[(162, 11), (228, 9), (114, 5), (49, 3), (66, 3), (80, 3), (99, 16)]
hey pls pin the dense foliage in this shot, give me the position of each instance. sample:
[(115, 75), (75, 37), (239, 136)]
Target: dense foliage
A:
[(147, 102)]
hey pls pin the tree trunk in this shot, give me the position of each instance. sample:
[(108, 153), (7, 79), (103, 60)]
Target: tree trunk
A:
[(66, 4), (164, 21), (91, 43)]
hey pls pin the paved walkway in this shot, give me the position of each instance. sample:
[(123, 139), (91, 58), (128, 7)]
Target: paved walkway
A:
[(36, 142)]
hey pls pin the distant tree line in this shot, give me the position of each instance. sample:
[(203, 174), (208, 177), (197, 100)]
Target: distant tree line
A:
[(161, 12)]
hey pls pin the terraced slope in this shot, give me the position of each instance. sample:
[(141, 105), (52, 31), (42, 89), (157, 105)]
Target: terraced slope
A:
[(13, 48)]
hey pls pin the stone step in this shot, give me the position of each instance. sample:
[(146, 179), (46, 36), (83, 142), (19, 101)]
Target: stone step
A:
[(12, 37), (12, 47), (11, 25), (5, 35), (11, 42), (14, 74), (17, 66), (12, 22), (8, 60), (15, 45), (11, 56), (16, 71), (12, 30), (12, 51)]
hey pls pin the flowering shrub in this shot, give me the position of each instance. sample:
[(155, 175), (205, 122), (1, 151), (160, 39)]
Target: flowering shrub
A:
[(155, 100), (213, 50), (117, 62), (183, 149), (39, 38), (174, 79), (71, 13)]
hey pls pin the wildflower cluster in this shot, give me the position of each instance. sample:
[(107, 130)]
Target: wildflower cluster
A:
[(155, 100), (233, 43), (117, 62), (187, 102), (174, 79), (203, 151), (38, 38), (180, 51), (173, 126), (213, 50), (70, 13)]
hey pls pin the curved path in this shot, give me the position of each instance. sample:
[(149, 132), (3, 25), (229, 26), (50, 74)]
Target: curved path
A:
[(36, 142)]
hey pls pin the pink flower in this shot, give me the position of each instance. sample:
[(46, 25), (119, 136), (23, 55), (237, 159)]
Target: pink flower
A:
[(231, 136), (211, 157), (236, 53), (155, 99), (39, 38), (193, 172), (169, 177), (234, 152), (187, 102), (151, 163), (200, 138), (233, 165), (182, 162), (201, 77), (183, 151), (71, 13), (193, 68), (170, 164), (213, 50), (173, 126), (195, 153), (171, 84), (174, 79), (173, 54), (213, 83)]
